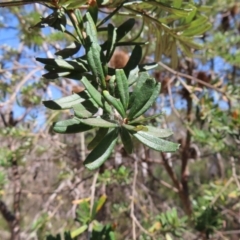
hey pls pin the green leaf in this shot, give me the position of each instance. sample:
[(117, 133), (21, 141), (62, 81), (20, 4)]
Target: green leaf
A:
[(134, 59), (99, 122), (79, 231), (94, 51), (197, 27), (142, 78), (143, 119), (176, 11), (157, 132), (86, 109), (122, 86), (124, 28), (112, 35), (94, 93), (62, 64), (144, 97), (112, 85), (126, 140), (72, 125), (156, 143), (69, 51), (102, 151), (93, 10), (66, 102), (151, 100), (101, 132), (115, 103)]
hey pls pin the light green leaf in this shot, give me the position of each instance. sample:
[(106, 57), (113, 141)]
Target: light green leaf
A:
[(122, 86), (79, 231), (102, 151), (156, 143), (115, 103), (94, 51), (98, 122), (157, 132)]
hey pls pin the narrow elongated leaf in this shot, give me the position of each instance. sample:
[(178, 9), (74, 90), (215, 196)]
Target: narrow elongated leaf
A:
[(69, 51), (143, 119), (100, 134), (112, 85), (112, 36), (99, 122), (139, 83), (72, 125), (157, 132), (93, 10), (94, 51), (122, 86), (93, 92), (98, 205), (156, 143), (102, 151), (124, 28), (198, 30), (150, 101), (176, 11), (63, 64), (126, 140), (55, 74), (115, 103), (134, 59), (79, 231), (66, 102), (85, 109), (144, 98)]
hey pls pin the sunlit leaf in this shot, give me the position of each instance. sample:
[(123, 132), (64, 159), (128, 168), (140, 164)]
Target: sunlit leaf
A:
[(99, 122), (156, 143)]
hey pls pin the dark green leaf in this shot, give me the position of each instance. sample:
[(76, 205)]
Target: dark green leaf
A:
[(72, 125), (111, 41), (66, 102), (101, 132), (134, 59), (126, 140), (102, 151), (85, 109), (63, 64), (69, 51), (124, 28)]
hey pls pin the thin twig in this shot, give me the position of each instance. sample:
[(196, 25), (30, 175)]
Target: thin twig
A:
[(132, 199), (190, 77)]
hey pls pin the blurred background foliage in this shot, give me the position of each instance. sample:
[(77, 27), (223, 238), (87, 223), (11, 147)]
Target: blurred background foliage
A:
[(190, 194)]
